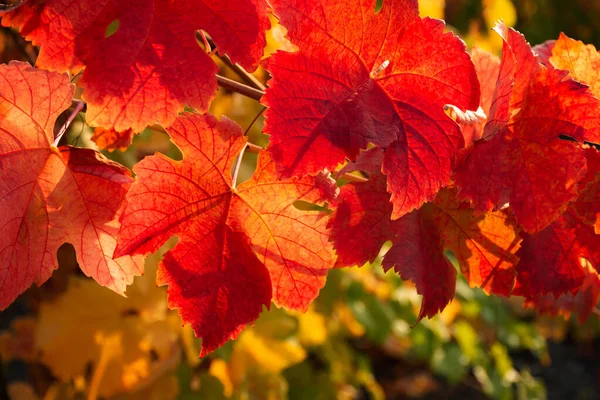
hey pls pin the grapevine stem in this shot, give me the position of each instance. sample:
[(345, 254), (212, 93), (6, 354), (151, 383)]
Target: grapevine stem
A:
[(78, 107), (254, 120), (238, 164), (240, 88), (254, 148), (246, 76), (354, 178)]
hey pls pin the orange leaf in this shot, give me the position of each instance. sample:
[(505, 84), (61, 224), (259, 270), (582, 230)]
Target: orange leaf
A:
[(109, 139), (49, 195), (582, 61), (524, 140)]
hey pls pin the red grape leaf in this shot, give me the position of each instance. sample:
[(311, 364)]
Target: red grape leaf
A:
[(551, 260), (543, 51), (49, 195), (361, 221), (582, 303), (238, 247), (484, 245), (517, 68), (487, 67), (582, 61), (514, 165), (360, 78), (587, 204), (421, 259), (152, 65)]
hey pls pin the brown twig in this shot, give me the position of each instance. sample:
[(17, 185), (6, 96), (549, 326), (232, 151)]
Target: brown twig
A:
[(254, 120), (254, 148), (353, 178), (240, 88), (246, 76), (78, 107)]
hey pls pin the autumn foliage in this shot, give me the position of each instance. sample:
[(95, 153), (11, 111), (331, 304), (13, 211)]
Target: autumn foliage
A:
[(454, 157)]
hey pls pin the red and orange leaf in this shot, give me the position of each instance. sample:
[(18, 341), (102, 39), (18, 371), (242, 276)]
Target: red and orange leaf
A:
[(514, 166), (583, 64), (553, 260), (238, 247), (543, 51), (582, 61), (151, 66), (218, 284), (361, 222), (484, 245), (109, 139), (49, 195), (582, 303), (421, 259), (360, 78), (487, 67), (587, 204), (517, 68)]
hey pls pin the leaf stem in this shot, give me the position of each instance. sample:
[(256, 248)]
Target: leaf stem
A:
[(238, 164), (254, 148), (246, 76), (353, 178), (240, 88), (78, 107), (254, 120)]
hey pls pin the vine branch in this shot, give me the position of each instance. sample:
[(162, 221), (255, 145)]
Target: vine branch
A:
[(78, 107), (246, 76), (240, 88), (238, 164)]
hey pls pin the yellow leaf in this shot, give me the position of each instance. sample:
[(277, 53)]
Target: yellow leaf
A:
[(449, 314), (432, 8), (166, 387), (220, 370), (312, 330), (348, 321), (256, 357), (129, 342), (267, 354), (494, 10)]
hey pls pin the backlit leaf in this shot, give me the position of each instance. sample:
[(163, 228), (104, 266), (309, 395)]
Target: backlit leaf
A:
[(140, 59), (50, 195), (238, 247), (361, 78)]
